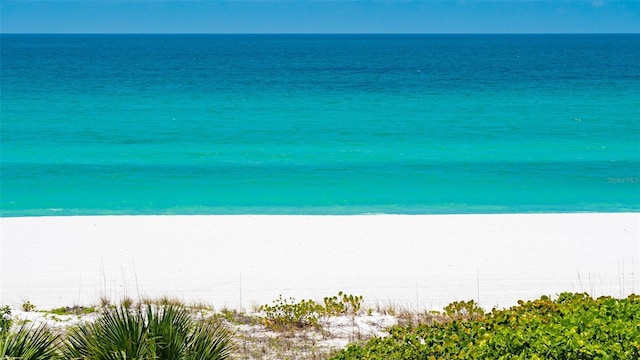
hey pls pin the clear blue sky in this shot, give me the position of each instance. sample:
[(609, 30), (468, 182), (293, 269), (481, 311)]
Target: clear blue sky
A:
[(320, 16)]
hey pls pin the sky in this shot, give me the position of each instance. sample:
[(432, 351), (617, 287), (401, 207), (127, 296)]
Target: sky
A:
[(320, 16)]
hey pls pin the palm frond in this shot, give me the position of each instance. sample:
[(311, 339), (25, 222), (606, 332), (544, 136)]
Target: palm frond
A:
[(210, 341), (156, 332), (168, 327), (29, 343), (116, 334)]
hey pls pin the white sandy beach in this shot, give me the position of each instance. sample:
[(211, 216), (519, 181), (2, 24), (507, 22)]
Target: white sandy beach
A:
[(414, 261)]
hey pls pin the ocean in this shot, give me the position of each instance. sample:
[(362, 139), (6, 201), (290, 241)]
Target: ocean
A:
[(319, 124)]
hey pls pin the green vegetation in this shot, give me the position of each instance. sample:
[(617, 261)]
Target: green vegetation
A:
[(154, 332), (574, 326), (29, 343), (28, 306), (463, 310), (75, 310), (343, 304), (5, 320), (287, 314)]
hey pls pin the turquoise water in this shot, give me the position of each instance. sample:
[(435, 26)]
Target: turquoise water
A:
[(319, 124)]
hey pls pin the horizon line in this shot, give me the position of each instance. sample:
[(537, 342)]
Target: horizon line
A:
[(319, 33)]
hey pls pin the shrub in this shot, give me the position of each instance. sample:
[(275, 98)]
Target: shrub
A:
[(287, 314), (575, 326), (29, 343), (343, 304), (27, 306), (156, 332), (464, 310), (5, 320)]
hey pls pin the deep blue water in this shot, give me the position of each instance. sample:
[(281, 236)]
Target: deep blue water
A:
[(319, 124)]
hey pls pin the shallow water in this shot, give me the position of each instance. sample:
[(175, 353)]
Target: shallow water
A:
[(319, 124)]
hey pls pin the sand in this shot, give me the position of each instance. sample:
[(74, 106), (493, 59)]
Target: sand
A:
[(413, 261)]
